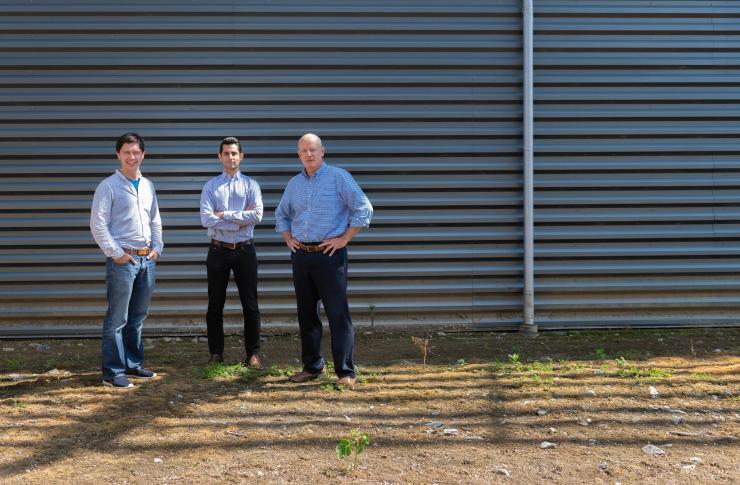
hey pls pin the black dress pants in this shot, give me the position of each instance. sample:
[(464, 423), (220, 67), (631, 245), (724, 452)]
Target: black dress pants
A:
[(317, 276), (243, 262)]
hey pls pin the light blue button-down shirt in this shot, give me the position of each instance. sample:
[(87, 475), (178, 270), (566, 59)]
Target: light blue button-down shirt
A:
[(321, 207), (239, 198), (123, 217)]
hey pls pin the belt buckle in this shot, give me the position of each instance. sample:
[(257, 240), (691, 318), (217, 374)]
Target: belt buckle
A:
[(231, 245)]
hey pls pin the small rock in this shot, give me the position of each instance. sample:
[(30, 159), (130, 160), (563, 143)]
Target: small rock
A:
[(171, 403), (604, 466), (435, 424), (441, 334), (40, 347), (585, 422), (676, 419), (541, 412), (553, 430), (717, 351), (653, 392), (451, 431), (590, 392), (157, 460), (502, 471), (652, 450), (179, 396), (347, 418), (525, 402), (58, 373), (599, 372), (715, 397), (688, 468), (547, 445)]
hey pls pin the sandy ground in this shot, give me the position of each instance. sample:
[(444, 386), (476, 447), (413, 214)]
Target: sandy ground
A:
[(477, 413)]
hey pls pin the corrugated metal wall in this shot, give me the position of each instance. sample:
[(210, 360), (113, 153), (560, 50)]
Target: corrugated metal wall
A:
[(637, 162), (637, 152), (420, 100)]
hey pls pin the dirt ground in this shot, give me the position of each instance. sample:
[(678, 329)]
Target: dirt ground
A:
[(478, 412)]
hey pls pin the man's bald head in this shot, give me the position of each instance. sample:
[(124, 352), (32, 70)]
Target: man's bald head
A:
[(311, 138)]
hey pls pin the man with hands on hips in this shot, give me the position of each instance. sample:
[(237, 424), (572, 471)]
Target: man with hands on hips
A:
[(125, 223), (321, 210)]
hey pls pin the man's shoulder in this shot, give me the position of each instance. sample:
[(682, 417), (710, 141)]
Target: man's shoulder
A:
[(110, 181)]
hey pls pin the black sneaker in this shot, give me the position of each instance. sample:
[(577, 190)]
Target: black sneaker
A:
[(117, 382), (140, 373)]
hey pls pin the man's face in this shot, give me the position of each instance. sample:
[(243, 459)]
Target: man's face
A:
[(131, 157), (311, 154), (231, 157)]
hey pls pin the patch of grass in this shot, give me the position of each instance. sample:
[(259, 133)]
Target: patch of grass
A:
[(18, 404), (599, 354), (625, 369), (14, 364), (277, 371), (702, 376), (220, 370)]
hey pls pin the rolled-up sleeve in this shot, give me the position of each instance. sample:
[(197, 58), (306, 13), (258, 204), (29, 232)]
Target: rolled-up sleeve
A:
[(360, 208)]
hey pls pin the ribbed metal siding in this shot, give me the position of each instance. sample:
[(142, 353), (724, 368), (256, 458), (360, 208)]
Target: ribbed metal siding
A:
[(637, 163), (420, 100)]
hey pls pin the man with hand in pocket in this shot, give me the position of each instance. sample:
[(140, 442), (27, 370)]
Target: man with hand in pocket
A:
[(125, 223), (230, 207)]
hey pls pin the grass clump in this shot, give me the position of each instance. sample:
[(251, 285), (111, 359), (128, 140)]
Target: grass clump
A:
[(220, 370), (625, 369)]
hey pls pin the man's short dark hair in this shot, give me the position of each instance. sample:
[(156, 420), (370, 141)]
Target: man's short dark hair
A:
[(230, 140), (130, 138)]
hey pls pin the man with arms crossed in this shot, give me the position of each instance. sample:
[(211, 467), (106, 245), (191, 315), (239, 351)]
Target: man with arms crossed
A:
[(321, 210), (230, 207), (125, 223)]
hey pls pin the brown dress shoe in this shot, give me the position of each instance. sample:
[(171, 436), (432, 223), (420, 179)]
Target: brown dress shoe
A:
[(216, 358), (304, 376), (346, 382), (254, 362)]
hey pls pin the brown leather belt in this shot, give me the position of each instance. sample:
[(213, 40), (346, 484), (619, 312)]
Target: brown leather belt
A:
[(311, 247), (137, 252), (228, 245)]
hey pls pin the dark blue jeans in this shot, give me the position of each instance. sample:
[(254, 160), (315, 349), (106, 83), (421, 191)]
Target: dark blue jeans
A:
[(319, 277), (243, 262), (129, 291)]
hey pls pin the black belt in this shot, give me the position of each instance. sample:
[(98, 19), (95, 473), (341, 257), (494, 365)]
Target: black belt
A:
[(228, 245)]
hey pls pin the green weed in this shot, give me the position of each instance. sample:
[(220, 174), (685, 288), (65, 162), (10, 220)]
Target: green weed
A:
[(702, 376), (355, 443), (220, 370), (18, 404)]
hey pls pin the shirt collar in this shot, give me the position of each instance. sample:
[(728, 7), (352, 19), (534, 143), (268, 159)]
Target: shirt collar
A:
[(238, 175), (320, 171), (123, 177)]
